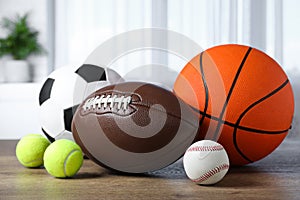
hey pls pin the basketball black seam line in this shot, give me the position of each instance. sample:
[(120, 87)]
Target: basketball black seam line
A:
[(205, 87), (239, 127), (247, 110), (230, 91)]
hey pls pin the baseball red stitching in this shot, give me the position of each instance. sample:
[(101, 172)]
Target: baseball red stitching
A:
[(206, 148), (211, 172)]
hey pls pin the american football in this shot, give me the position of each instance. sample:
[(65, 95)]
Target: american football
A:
[(134, 127)]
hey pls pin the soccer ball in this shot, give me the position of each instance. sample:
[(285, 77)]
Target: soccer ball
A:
[(63, 90)]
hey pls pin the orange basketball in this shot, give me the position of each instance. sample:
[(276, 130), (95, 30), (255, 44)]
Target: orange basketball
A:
[(244, 98)]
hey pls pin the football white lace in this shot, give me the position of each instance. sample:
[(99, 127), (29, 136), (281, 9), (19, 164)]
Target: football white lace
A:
[(103, 100)]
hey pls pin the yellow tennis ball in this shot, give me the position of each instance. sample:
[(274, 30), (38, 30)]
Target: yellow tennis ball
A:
[(30, 150), (63, 158)]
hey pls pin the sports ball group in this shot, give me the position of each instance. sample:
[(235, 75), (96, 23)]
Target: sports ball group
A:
[(230, 104)]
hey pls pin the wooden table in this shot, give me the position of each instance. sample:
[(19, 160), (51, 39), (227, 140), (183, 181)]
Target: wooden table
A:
[(275, 177)]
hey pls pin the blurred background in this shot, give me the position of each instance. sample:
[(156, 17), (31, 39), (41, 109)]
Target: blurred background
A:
[(69, 30)]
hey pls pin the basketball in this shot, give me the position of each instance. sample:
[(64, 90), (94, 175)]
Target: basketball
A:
[(244, 98)]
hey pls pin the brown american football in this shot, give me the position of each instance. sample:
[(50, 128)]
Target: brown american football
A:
[(134, 127)]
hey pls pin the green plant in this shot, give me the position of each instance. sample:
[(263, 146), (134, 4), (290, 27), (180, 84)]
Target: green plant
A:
[(21, 40)]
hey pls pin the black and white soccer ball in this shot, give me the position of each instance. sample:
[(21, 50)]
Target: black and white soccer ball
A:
[(63, 90)]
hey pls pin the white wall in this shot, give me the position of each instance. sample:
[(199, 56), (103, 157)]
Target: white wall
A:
[(19, 110)]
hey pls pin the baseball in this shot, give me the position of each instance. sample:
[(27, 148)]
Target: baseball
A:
[(205, 162)]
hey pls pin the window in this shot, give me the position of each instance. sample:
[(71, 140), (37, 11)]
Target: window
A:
[(269, 25)]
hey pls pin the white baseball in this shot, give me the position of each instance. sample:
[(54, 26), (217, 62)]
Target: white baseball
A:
[(205, 162)]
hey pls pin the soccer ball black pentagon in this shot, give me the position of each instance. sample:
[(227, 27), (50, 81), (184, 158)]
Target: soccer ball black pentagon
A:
[(63, 90)]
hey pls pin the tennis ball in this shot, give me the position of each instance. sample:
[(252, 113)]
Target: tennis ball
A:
[(30, 150), (63, 158)]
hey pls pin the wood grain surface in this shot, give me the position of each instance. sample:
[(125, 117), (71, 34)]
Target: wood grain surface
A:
[(275, 177)]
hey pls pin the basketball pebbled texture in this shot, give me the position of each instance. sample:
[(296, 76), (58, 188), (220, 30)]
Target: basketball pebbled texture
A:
[(134, 127), (244, 97)]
